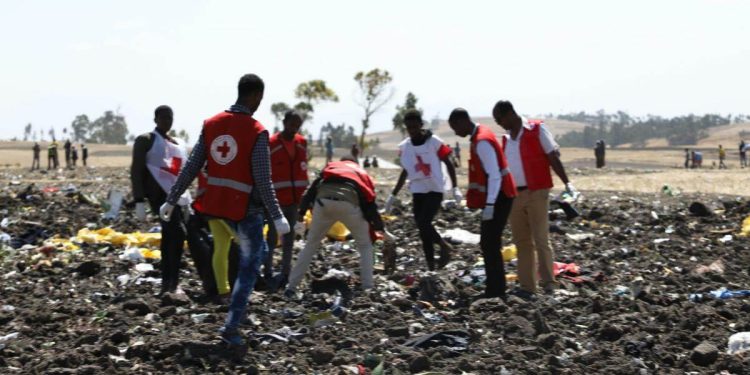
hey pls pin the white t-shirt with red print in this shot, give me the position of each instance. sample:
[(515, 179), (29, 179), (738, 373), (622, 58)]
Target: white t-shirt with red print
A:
[(424, 164)]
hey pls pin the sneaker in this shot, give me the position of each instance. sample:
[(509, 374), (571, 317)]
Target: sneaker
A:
[(550, 288), (523, 294), (290, 294), (445, 256), (231, 336)]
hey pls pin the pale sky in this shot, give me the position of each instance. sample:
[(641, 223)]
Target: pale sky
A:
[(668, 57)]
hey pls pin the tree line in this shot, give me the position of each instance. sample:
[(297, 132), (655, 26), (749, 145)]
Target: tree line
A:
[(620, 128)]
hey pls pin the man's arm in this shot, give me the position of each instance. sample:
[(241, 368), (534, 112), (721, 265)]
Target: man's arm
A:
[(195, 163), (138, 167), (451, 171), (309, 196), (489, 162), (400, 182), (557, 166), (261, 169)]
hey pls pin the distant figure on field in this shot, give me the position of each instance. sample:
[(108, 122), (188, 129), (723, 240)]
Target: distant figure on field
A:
[(743, 154), (66, 146), (84, 154), (722, 157), (329, 150), (37, 150), (688, 158), (355, 152), (52, 161), (375, 161), (366, 163), (697, 159), (73, 155), (599, 151)]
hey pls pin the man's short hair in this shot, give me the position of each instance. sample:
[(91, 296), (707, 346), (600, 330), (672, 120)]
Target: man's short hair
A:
[(413, 115), (160, 109), (250, 84), (503, 107), (292, 113), (459, 114)]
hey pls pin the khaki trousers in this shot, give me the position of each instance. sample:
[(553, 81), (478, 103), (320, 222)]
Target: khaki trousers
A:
[(323, 218), (529, 222)]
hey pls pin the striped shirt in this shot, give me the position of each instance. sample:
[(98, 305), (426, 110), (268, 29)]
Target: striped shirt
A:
[(262, 194)]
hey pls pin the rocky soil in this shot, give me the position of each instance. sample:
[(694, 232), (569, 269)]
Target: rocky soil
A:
[(639, 303)]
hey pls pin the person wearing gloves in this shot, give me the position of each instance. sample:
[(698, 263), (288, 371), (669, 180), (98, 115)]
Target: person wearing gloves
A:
[(234, 148), (491, 188), (421, 155), (289, 175), (157, 160), (343, 192), (531, 151)]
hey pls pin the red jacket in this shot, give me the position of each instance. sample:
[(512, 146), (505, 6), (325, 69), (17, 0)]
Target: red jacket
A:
[(229, 138), (200, 192), (289, 175), (351, 171), (535, 163), (476, 197)]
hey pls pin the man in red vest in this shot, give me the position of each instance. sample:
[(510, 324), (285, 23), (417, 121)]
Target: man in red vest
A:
[(531, 151), (491, 188), (343, 192), (289, 175), (234, 148)]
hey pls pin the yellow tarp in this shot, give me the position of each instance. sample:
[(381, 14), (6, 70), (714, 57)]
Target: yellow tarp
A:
[(509, 253), (111, 236), (745, 232)]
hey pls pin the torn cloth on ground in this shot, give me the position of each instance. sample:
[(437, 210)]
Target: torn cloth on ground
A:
[(456, 340)]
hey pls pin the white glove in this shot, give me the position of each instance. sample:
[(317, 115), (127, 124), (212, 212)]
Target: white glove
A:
[(457, 196), (140, 211), (570, 189), (389, 203), (488, 213), (299, 228), (389, 236), (165, 211), (282, 226)]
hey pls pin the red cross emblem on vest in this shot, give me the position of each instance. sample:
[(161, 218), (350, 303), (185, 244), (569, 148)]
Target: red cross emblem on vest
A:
[(223, 149)]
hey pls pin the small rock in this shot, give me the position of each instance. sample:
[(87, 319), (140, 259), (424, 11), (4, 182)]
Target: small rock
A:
[(699, 209), (108, 349), (175, 299), (611, 332), (705, 354), (119, 337), (419, 363), (397, 331), (540, 324), (322, 356), (167, 311), (548, 340), (139, 306), (88, 269), (137, 351)]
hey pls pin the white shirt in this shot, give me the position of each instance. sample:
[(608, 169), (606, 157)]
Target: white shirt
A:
[(513, 150), (423, 165), (488, 157)]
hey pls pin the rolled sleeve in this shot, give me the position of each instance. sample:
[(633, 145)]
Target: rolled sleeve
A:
[(547, 141), (487, 156)]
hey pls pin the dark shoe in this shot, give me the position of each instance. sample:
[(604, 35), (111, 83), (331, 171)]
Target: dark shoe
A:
[(290, 294), (523, 294), (431, 265), (231, 336), (445, 256)]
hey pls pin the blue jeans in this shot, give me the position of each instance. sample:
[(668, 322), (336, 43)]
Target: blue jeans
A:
[(253, 250)]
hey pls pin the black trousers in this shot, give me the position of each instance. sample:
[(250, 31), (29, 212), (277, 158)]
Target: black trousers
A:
[(201, 250), (426, 206), (173, 234), (490, 241)]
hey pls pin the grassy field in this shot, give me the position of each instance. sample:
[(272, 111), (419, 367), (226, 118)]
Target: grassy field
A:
[(642, 170)]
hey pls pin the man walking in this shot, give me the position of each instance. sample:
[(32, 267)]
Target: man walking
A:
[(329, 150), (37, 150), (491, 188), (52, 161), (343, 192), (84, 154), (157, 161), (73, 155), (531, 151), (67, 146), (422, 155), (289, 175), (234, 148)]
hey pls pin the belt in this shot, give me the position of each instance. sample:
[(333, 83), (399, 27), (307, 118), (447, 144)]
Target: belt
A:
[(522, 188)]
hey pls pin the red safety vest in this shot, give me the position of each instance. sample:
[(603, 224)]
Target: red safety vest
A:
[(229, 138), (536, 166), (351, 171), (289, 175), (476, 197)]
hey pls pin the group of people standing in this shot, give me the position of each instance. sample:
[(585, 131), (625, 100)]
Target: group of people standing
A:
[(247, 178), (53, 161)]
